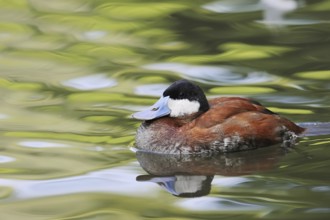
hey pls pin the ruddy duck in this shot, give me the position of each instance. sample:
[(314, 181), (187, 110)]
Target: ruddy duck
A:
[(183, 121)]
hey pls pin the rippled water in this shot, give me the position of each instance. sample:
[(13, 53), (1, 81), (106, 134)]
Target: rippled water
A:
[(73, 72)]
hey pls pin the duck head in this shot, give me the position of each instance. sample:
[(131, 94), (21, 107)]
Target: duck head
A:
[(180, 99)]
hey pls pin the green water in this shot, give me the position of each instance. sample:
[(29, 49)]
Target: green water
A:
[(73, 72)]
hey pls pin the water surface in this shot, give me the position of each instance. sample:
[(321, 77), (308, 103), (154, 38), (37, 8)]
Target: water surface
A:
[(73, 72)]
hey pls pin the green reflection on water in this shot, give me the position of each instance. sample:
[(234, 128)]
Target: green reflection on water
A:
[(19, 85), (52, 131), (318, 75), (235, 52), (241, 90), (291, 111), (133, 11), (71, 137)]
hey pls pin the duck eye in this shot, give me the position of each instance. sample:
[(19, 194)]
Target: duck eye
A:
[(155, 109)]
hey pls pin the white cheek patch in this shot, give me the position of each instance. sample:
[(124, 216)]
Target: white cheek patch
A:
[(182, 107)]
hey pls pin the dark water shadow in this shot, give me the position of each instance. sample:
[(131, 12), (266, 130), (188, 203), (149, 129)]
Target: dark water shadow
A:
[(192, 175)]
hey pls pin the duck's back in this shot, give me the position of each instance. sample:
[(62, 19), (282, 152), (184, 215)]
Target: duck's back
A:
[(238, 123)]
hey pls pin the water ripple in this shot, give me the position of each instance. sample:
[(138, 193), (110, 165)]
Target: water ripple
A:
[(151, 90), (216, 75), (6, 159), (118, 180), (217, 204), (91, 82), (41, 144), (235, 6)]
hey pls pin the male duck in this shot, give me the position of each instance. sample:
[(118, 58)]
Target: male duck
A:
[(183, 121)]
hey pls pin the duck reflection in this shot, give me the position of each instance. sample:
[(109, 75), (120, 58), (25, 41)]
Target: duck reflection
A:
[(182, 185), (192, 175)]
